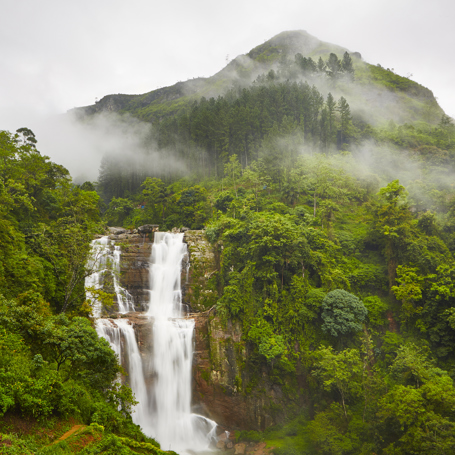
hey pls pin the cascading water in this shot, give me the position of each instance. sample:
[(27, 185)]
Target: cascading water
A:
[(120, 333), (105, 258), (97, 263), (164, 409), (172, 422)]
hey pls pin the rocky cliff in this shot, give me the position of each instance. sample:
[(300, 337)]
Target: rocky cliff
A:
[(134, 263), (229, 385)]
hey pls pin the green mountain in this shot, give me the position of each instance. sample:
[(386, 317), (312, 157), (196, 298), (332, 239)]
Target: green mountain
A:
[(388, 95), (323, 190)]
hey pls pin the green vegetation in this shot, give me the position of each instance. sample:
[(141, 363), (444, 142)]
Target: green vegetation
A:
[(333, 265), (334, 240), (53, 365)]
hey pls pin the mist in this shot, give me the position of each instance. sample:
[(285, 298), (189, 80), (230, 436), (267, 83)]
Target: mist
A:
[(80, 145), (375, 165)]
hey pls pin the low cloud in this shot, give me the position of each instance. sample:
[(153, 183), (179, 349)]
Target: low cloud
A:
[(80, 144)]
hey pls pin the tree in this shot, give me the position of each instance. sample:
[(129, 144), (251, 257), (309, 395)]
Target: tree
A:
[(233, 170), (342, 313), (79, 353), (118, 211), (333, 66), (307, 65), (341, 371), (446, 125), (417, 411), (328, 209), (345, 120), (155, 195), (409, 290), (66, 247), (270, 345), (238, 294), (49, 221), (28, 137), (331, 108), (346, 65), (393, 221), (321, 65)]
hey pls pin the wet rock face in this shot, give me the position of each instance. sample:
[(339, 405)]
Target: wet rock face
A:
[(226, 386), (147, 228), (197, 268), (134, 265), (197, 290), (117, 230)]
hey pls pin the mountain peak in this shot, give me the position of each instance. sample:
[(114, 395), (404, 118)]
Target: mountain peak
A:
[(372, 84), (289, 41), (292, 42)]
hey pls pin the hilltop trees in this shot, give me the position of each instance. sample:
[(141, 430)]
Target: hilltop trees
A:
[(346, 64), (333, 66), (252, 123), (345, 121)]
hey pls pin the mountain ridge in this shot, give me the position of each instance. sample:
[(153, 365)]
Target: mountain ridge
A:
[(410, 97)]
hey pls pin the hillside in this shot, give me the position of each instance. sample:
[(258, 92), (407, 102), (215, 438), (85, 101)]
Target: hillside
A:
[(315, 193), (380, 88)]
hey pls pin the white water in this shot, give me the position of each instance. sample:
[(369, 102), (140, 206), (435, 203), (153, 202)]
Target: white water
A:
[(110, 331), (105, 258), (120, 332), (172, 422), (97, 263), (164, 409)]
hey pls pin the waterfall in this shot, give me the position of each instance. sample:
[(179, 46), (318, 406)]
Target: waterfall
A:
[(164, 408), (105, 259), (97, 264), (120, 332), (172, 423)]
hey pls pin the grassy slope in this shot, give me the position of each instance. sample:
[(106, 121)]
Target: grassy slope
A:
[(27, 436)]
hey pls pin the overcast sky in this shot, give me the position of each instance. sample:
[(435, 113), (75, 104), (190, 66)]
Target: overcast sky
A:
[(58, 54)]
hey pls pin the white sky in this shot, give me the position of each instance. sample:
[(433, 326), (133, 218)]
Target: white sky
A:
[(58, 54)]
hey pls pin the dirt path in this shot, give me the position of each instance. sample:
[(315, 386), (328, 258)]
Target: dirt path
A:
[(69, 433)]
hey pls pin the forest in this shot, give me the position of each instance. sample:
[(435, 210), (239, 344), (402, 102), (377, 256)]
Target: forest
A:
[(335, 239), (54, 369)]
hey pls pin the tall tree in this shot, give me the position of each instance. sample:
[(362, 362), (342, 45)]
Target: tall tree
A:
[(333, 66), (346, 65), (345, 120), (393, 221)]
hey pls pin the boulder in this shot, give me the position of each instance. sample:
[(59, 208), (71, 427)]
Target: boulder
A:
[(117, 230), (147, 228)]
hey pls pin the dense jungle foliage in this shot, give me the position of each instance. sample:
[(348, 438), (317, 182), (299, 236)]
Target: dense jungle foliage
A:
[(53, 366), (336, 242), (336, 246)]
